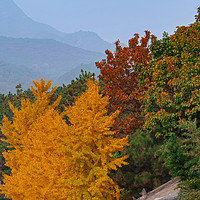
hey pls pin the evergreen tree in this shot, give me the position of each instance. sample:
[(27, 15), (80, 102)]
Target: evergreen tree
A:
[(182, 158)]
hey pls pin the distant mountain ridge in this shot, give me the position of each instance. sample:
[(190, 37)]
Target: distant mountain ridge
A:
[(47, 56), (15, 23), (87, 40), (31, 50)]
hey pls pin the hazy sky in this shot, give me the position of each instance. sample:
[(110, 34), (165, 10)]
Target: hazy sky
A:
[(112, 19)]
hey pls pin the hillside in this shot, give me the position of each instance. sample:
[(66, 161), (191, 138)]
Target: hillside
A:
[(11, 75), (46, 56), (72, 74)]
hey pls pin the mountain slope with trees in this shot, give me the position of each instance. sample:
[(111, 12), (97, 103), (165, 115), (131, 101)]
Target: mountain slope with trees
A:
[(11, 75), (154, 80), (72, 74), (45, 57)]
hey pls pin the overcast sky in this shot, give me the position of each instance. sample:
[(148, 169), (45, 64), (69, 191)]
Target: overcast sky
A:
[(112, 19)]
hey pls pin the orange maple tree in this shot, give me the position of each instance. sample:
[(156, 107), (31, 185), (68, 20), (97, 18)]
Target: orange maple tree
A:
[(120, 72)]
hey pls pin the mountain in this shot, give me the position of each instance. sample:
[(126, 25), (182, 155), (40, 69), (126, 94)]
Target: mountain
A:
[(15, 23), (87, 40), (11, 75), (49, 57), (75, 72)]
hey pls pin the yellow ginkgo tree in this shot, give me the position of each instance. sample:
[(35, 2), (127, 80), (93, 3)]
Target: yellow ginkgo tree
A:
[(52, 160), (91, 146), (34, 160)]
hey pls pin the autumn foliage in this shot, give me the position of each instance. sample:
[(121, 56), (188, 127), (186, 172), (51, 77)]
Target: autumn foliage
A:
[(174, 80), (50, 159), (26, 156), (155, 86), (91, 147), (120, 74), (72, 147)]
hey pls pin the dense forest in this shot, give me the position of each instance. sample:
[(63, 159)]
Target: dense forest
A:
[(137, 127)]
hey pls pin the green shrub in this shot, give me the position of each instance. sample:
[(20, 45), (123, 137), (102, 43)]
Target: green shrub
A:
[(182, 158), (144, 169)]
